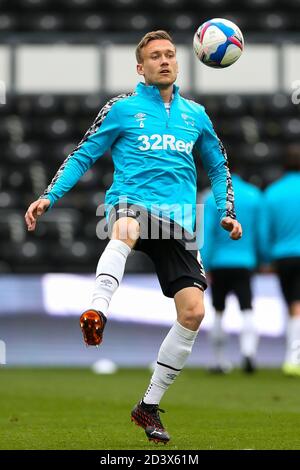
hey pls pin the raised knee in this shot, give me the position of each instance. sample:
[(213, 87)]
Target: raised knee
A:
[(192, 315), (126, 229)]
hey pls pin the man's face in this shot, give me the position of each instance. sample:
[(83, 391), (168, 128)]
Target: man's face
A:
[(159, 66)]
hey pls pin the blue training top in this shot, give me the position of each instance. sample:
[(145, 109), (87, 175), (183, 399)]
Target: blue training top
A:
[(152, 155), (219, 250), (282, 218)]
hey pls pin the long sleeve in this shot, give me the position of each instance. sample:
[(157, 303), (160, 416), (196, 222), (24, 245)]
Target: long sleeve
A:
[(215, 163), (99, 137)]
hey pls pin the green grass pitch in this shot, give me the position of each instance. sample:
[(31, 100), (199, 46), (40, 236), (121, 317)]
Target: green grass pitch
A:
[(76, 409)]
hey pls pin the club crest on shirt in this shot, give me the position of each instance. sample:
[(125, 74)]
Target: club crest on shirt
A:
[(188, 120)]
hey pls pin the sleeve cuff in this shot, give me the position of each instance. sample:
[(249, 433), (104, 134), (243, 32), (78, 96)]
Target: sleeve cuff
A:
[(227, 213), (51, 199)]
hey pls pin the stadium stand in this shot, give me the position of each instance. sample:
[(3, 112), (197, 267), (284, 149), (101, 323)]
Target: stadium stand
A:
[(137, 15)]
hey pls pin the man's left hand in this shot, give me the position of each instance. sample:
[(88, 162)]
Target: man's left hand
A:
[(232, 226)]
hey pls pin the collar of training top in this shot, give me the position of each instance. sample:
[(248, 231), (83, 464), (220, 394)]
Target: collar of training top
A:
[(153, 90)]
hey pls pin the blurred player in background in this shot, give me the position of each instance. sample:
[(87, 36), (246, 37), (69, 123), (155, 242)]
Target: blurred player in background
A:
[(151, 133), (230, 265), (282, 247)]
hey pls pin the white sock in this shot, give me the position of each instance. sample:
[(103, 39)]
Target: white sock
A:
[(248, 336), (109, 274), (218, 339), (172, 356), (292, 355)]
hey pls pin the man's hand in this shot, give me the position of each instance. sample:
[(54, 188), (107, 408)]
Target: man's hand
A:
[(35, 210), (232, 226)]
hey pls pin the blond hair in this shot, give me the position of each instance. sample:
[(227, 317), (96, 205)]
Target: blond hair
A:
[(151, 36)]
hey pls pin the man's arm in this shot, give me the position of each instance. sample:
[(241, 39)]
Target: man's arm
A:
[(99, 137), (215, 163)]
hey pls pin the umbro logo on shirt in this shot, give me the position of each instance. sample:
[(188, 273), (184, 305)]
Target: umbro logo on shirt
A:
[(140, 118)]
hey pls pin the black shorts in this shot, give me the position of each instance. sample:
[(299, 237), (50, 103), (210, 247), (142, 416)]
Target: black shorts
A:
[(288, 270), (176, 266), (226, 280)]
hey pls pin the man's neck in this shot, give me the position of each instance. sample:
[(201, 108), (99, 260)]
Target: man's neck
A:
[(166, 94)]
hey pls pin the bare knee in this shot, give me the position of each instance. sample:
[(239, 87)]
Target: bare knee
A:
[(126, 229), (191, 315)]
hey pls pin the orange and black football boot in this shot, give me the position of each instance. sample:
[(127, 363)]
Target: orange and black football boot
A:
[(147, 417), (92, 324)]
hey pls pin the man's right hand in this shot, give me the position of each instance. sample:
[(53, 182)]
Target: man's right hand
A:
[(35, 210)]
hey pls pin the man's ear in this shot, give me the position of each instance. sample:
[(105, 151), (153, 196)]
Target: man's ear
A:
[(140, 69)]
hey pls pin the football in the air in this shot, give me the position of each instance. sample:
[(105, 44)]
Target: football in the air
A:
[(218, 43)]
